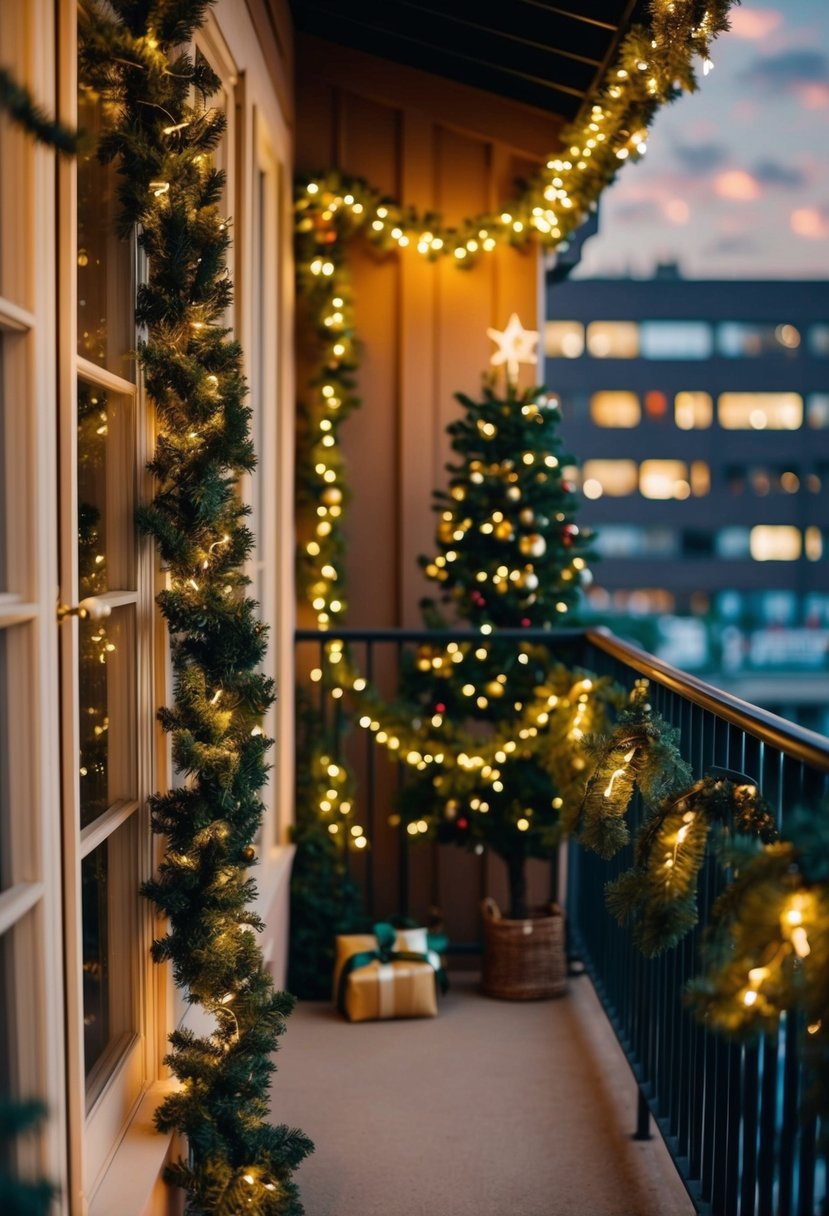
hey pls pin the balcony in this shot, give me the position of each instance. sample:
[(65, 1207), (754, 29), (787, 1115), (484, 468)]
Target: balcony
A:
[(731, 1114)]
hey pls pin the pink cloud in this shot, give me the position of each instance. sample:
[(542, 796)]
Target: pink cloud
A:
[(808, 222), (814, 96), (755, 24), (737, 184), (677, 210)]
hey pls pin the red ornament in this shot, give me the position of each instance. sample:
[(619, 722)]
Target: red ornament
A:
[(526, 622), (463, 824), (440, 708)]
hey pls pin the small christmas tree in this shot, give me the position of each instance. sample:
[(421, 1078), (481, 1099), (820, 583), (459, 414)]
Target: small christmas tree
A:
[(509, 556)]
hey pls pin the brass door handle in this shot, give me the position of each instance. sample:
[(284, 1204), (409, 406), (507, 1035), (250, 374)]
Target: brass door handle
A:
[(90, 609)]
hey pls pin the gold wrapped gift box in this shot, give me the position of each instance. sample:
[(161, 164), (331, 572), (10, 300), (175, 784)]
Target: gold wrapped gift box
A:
[(400, 988)]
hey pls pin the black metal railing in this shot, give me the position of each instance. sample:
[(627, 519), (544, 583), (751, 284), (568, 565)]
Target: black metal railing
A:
[(730, 1113)]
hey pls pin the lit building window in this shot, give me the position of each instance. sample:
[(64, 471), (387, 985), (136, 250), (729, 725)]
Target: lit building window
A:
[(613, 477), (613, 339), (813, 544), (760, 411), (664, 479), (563, 339), (627, 540), (693, 411), (700, 478), (817, 411), (732, 542), (615, 409), (819, 340), (675, 340), (738, 340), (775, 543), (656, 404)]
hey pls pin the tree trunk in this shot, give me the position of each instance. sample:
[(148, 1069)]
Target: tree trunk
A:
[(517, 869)]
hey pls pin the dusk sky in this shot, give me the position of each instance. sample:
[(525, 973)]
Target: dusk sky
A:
[(735, 182)]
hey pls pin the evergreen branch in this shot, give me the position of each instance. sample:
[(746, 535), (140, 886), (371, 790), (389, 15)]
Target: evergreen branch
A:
[(161, 141), (21, 107)]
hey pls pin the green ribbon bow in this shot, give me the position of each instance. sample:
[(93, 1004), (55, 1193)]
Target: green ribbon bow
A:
[(385, 953)]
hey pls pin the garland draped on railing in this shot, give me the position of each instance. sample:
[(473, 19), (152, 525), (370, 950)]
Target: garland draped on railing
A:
[(162, 141)]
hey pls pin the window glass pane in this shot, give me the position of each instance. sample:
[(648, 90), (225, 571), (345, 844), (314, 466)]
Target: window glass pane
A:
[(760, 411), (700, 478), (615, 409), (817, 411), (563, 339), (109, 898), (627, 540), (106, 705), (5, 791), (675, 339), (813, 544), (693, 411), (18, 862), (656, 404), (819, 340), (775, 543), (732, 542), (614, 477), (18, 979), (740, 340), (664, 479), (613, 339), (17, 154), (106, 511), (4, 472), (105, 261)]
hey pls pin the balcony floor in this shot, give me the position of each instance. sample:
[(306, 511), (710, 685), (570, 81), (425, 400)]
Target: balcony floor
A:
[(494, 1108)]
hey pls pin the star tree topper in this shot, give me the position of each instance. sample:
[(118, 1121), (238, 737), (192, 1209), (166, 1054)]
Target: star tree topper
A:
[(515, 345)]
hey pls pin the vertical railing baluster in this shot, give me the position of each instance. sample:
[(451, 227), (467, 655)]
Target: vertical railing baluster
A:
[(751, 1097)]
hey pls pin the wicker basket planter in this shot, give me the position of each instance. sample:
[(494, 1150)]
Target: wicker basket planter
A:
[(523, 959)]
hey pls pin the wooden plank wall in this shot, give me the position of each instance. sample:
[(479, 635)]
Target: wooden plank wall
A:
[(446, 148)]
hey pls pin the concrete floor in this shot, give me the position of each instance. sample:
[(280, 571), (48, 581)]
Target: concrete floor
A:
[(494, 1108)]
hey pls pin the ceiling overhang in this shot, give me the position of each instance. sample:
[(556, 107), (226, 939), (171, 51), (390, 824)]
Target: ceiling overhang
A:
[(552, 57)]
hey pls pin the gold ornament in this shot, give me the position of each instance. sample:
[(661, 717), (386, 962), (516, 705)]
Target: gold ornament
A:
[(513, 493), (494, 689), (527, 516), (332, 495), (445, 530), (504, 530), (529, 580), (533, 545)]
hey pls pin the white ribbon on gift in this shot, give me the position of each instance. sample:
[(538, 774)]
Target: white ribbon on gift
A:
[(385, 990)]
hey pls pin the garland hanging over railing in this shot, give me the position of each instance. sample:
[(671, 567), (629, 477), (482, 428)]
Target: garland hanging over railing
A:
[(169, 188)]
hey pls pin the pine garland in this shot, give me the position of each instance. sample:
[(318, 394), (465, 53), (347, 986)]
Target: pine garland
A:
[(18, 102), (641, 753), (18, 1196), (766, 950), (169, 189), (658, 894)]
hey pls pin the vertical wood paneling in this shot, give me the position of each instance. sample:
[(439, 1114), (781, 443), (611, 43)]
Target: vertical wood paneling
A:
[(423, 338)]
